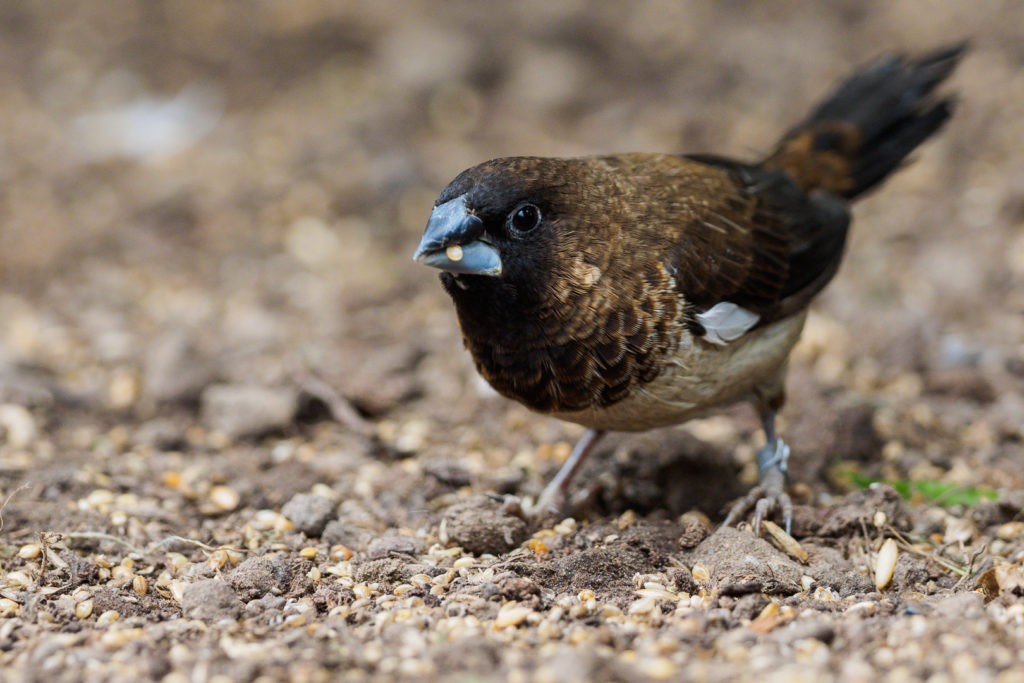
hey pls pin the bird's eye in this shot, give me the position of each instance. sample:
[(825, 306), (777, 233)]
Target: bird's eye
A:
[(525, 218)]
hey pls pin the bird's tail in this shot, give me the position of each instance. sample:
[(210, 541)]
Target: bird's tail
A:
[(865, 129)]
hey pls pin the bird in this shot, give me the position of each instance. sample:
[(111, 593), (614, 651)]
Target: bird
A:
[(627, 292)]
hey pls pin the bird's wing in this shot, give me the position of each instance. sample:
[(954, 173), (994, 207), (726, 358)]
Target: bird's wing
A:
[(758, 251)]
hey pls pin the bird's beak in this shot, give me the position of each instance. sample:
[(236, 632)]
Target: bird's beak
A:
[(455, 241)]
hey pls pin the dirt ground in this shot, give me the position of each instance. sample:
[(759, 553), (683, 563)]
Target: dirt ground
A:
[(239, 437)]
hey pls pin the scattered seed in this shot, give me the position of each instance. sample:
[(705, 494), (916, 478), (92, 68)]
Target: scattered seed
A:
[(657, 668), (99, 499), (83, 610), (865, 607), (224, 498), (825, 594), (537, 546), (444, 580), (121, 637), (958, 530), (177, 589), (1010, 531), (8, 608), (885, 563), (218, 559), (30, 551), (770, 618), (309, 552), (176, 561), (454, 253), (879, 519), (108, 617), (511, 616), (118, 518), (610, 611), (19, 579), (784, 541), (341, 552), (121, 573), (140, 585), (294, 621), (565, 527), (420, 580), (549, 630), (17, 425), (700, 573), (656, 594), (643, 606), (625, 520)]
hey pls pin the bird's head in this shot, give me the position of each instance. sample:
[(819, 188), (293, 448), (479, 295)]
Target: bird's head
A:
[(512, 225)]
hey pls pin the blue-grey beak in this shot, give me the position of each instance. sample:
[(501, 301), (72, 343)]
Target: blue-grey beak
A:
[(455, 241)]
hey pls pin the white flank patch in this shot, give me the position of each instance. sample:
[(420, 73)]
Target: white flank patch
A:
[(726, 322)]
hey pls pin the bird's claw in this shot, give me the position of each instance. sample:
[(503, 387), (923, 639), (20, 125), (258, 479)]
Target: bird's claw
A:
[(770, 493), (526, 510), (764, 502)]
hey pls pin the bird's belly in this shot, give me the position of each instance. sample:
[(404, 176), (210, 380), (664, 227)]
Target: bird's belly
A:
[(699, 377)]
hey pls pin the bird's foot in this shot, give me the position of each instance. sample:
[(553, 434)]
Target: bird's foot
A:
[(554, 499), (770, 493), (547, 505), (553, 503)]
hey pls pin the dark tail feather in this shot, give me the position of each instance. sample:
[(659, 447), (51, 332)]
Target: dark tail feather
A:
[(869, 124)]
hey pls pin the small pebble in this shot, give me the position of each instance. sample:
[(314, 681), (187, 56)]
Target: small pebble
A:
[(309, 512), (241, 410), (210, 600)]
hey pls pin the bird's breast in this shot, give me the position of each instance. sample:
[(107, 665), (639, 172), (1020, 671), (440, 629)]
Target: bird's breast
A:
[(596, 339)]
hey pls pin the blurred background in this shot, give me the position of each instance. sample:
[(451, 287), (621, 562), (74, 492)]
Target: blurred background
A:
[(195, 192)]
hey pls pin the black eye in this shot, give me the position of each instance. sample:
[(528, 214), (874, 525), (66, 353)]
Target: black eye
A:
[(525, 218)]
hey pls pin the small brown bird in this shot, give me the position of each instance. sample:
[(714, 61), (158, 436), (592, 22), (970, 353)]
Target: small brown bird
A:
[(635, 291)]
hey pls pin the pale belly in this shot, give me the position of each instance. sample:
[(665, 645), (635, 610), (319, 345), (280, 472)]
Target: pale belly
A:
[(701, 377)]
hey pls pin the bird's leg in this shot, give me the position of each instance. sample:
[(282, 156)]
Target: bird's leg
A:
[(553, 494), (772, 473)]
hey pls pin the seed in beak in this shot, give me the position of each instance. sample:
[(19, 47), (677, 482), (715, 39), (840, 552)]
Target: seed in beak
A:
[(454, 253)]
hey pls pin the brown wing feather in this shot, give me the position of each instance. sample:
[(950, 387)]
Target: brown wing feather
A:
[(763, 244)]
